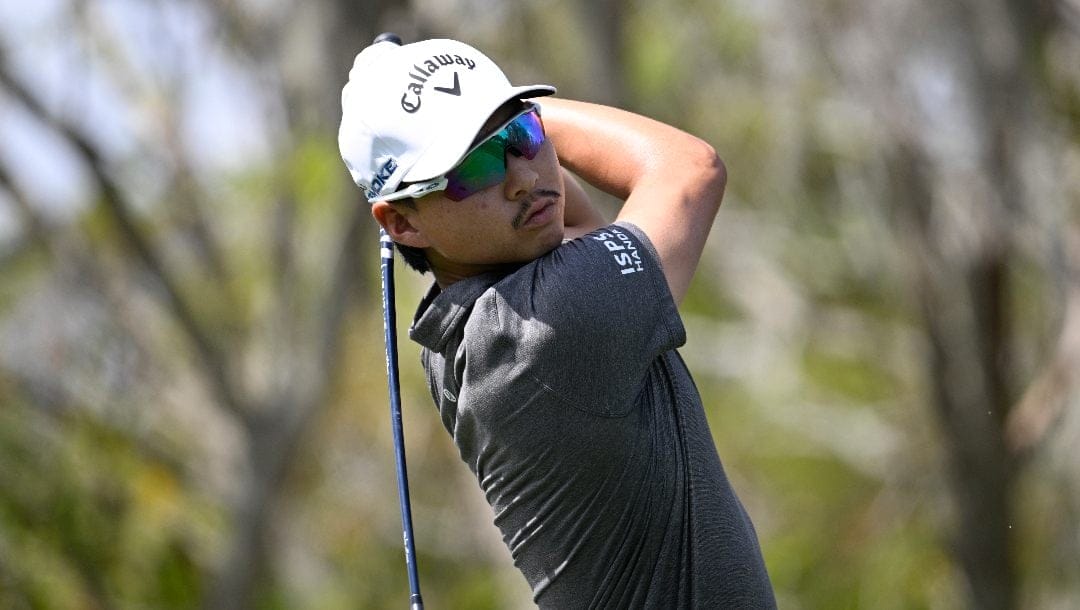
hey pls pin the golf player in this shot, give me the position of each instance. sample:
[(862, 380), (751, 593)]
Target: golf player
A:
[(549, 335)]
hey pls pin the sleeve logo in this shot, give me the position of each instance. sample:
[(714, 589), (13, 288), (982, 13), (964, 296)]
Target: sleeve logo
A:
[(622, 249)]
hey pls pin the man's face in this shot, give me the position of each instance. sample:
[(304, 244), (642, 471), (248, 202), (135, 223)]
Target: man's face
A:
[(514, 221)]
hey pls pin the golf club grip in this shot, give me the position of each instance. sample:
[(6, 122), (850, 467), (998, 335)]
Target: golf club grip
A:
[(388, 37)]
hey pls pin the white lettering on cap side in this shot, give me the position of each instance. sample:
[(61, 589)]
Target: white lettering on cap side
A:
[(379, 180)]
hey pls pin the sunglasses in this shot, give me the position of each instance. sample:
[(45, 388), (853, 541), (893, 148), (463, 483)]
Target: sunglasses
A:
[(485, 164)]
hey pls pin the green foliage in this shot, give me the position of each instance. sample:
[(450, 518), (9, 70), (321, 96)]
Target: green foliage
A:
[(20, 270), (317, 174), (704, 298), (89, 519), (850, 378), (811, 356)]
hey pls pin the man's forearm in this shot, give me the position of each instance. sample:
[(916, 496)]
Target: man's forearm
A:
[(671, 181), (613, 149)]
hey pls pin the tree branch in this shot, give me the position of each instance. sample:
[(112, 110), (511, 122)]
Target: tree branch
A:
[(36, 229), (183, 185), (1043, 402), (277, 434), (212, 360)]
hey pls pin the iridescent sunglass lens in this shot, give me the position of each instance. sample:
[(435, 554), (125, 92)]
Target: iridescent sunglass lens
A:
[(486, 165), (526, 134)]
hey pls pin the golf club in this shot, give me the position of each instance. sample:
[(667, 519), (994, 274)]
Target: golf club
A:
[(386, 255)]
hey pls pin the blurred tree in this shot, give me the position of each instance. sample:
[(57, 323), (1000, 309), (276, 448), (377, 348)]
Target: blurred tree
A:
[(295, 334), (959, 90), (885, 327)]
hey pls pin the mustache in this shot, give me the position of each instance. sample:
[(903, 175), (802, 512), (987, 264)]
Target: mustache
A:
[(527, 203)]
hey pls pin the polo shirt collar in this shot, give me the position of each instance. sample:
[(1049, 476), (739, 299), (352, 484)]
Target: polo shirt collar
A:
[(442, 312)]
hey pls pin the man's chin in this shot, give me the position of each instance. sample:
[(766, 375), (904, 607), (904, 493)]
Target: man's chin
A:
[(554, 240)]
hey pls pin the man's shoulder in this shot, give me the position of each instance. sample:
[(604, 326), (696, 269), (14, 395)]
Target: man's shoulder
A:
[(443, 312)]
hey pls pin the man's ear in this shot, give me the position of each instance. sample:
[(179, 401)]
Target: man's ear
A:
[(395, 221)]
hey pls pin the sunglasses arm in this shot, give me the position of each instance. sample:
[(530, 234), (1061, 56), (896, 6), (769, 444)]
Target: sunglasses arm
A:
[(414, 190)]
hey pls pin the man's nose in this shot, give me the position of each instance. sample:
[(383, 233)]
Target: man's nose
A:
[(520, 177)]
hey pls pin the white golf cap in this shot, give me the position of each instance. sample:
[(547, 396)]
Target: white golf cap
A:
[(410, 112)]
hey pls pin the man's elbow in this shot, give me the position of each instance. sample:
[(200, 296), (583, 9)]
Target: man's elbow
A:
[(710, 172)]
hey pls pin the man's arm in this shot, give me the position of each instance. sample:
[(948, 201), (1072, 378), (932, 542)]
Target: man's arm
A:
[(579, 216), (672, 182)]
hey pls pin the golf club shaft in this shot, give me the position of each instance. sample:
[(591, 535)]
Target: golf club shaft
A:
[(386, 251)]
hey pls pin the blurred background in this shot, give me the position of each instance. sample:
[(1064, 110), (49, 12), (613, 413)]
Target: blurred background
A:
[(885, 326)]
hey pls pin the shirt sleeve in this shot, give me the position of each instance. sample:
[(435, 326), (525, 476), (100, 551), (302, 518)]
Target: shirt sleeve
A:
[(585, 321)]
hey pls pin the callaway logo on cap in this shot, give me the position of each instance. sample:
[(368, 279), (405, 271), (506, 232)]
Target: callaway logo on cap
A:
[(411, 99), (409, 113)]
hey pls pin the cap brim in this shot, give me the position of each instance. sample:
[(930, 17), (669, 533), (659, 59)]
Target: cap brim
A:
[(450, 148)]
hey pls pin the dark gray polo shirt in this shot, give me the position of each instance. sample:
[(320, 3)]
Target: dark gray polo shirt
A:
[(564, 394)]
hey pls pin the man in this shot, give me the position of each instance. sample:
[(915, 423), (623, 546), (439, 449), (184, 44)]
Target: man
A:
[(548, 335)]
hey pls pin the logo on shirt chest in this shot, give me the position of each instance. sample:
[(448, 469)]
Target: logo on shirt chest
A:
[(622, 249)]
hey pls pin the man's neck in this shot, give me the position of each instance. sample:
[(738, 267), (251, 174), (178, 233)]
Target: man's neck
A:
[(447, 275)]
